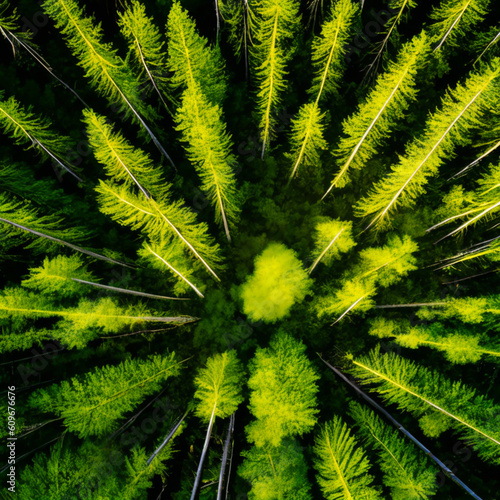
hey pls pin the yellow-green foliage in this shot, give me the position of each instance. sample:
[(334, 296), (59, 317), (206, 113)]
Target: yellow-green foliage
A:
[(462, 111), (330, 47), (467, 309), (342, 465), (438, 402), (137, 196), (92, 405), (406, 470), (31, 130), (55, 276), (145, 46), (276, 473), (277, 283), (218, 386), (209, 149), (377, 267), (455, 18), (283, 392), (106, 71), (366, 130), (190, 59), (331, 239), (276, 23)]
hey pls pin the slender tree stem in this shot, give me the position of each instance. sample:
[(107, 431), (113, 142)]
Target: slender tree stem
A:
[(368, 399)]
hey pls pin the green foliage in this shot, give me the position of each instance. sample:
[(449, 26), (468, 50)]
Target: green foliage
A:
[(332, 238), (276, 473), (145, 46), (377, 267), (57, 276), (94, 404), (219, 386), (439, 403), (455, 19), (106, 71), (462, 110), (277, 283), (283, 397), (366, 130), (209, 148), (342, 464), (29, 129), (275, 26), (190, 59), (407, 471)]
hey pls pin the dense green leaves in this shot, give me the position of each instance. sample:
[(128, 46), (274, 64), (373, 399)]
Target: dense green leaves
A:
[(278, 281), (283, 397)]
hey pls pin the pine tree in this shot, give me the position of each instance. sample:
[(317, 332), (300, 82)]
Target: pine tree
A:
[(276, 472), (480, 204), (328, 53), (459, 346), (342, 464), (93, 405), (277, 283), (276, 24), (367, 129), (439, 403), (145, 47), (219, 395), (407, 471), (209, 149), (26, 128), (190, 59), (151, 211), (461, 112), (105, 70), (332, 238), (377, 267), (283, 397), (77, 325), (455, 18)]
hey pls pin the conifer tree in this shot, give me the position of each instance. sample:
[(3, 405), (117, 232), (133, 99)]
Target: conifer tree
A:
[(191, 61), (105, 70), (377, 267), (283, 397), (26, 128), (218, 394), (407, 471), (275, 26), (328, 52), (455, 18), (93, 405), (145, 47), (439, 403), (401, 7), (459, 346), (277, 283), (480, 204), (368, 128), (342, 464), (152, 210), (77, 325), (276, 472), (451, 125), (209, 148), (332, 238)]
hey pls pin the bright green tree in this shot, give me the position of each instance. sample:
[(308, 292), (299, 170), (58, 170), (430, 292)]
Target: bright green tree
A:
[(342, 464), (277, 283), (406, 470), (283, 392)]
